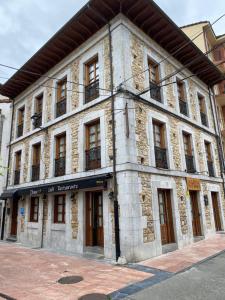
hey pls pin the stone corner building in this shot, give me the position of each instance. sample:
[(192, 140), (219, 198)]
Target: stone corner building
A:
[(169, 163)]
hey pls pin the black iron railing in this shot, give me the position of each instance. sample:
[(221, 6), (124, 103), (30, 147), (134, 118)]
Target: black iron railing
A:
[(211, 169), (35, 172), (155, 92), (20, 130), (204, 119), (60, 166), (61, 108), (183, 107), (190, 165), (161, 158), (17, 177), (93, 158), (92, 91), (37, 121)]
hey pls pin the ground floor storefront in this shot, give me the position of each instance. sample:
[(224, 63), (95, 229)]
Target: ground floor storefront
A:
[(157, 214)]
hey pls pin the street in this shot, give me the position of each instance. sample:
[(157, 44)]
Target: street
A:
[(204, 281)]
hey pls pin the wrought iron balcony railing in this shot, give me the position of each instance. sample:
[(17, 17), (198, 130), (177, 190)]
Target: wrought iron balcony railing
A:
[(20, 130), (92, 91), (155, 92), (17, 177), (161, 158), (35, 172), (211, 169), (190, 165), (93, 158), (60, 166), (61, 108), (204, 119), (183, 107)]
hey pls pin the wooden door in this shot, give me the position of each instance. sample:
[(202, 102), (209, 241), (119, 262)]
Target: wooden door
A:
[(14, 218), (216, 212), (166, 217), (196, 221), (94, 219)]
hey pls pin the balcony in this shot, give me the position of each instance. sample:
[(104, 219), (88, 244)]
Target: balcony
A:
[(155, 92), (211, 169), (35, 173), (37, 120), (19, 130), (161, 158), (204, 119), (60, 166), (183, 107), (92, 91), (17, 177), (190, 166), (93, 158), (61, 108)]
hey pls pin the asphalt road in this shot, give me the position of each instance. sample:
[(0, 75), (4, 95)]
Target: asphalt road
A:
[(203, 282)]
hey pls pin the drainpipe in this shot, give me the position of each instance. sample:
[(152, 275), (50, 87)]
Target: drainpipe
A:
[(218, 136), (115, 187)]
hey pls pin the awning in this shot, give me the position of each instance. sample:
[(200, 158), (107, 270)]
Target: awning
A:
[(62, 186), (8, 194)]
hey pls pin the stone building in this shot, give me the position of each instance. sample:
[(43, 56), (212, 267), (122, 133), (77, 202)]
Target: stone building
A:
[(5, 124), (115, 61)]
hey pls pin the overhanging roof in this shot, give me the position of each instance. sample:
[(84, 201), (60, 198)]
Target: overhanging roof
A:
[(92, 17)]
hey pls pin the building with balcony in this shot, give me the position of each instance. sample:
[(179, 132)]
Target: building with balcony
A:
[(5, 123), (107, 117)]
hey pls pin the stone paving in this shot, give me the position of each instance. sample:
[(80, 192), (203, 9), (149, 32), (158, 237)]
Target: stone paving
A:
[(33, 274)]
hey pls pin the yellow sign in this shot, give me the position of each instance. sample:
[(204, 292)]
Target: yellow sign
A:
[(193, 184)]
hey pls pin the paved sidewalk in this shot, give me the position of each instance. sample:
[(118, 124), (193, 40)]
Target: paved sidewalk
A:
[(33, 274), (179, 260)]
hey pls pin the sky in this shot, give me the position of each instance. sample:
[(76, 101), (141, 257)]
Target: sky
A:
[(26, 25)]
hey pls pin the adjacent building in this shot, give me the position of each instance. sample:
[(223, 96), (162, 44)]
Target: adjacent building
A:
[(108, 111), (5, 125)]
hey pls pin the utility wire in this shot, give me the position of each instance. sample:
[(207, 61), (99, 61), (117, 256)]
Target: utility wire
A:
[(177, 50)]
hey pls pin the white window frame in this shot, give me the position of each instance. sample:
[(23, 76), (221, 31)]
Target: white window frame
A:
[(200, 93), (23, 104), (16, 149), (208, 139), (187, 94), (44, 92), (150, 134)]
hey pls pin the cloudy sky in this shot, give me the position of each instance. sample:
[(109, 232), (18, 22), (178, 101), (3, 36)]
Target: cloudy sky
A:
[(25, 25)]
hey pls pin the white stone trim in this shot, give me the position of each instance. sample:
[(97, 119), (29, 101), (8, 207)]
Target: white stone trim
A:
[(16, 149), (66, 128), (36, 140), (92, 116), (43, 91), (163, 119), (207, 105), (22, 104), (189, 130), (60, 76)]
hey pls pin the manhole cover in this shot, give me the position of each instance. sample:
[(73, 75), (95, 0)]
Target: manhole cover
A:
[(70, 279), (94, 297)]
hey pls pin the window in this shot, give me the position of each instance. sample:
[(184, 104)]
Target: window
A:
[(92, 80), (17, 167), (34, 209), (20, 121), (190, 165), (93, 146), (36, 162), (155, 92), (160, 147), (182, 97), (38, 111), (202, 108), (60, 157), (59, 209), (209, 159), (61, 97)]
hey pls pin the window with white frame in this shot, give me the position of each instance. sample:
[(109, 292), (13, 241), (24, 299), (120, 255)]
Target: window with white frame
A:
[(161, 153), (189, 153), (155, 90)]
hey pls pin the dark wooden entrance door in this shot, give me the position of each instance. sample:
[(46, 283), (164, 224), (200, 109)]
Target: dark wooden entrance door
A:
[(196, 221), (14, 217), (94, 219), (166, 217), (216, 211)]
